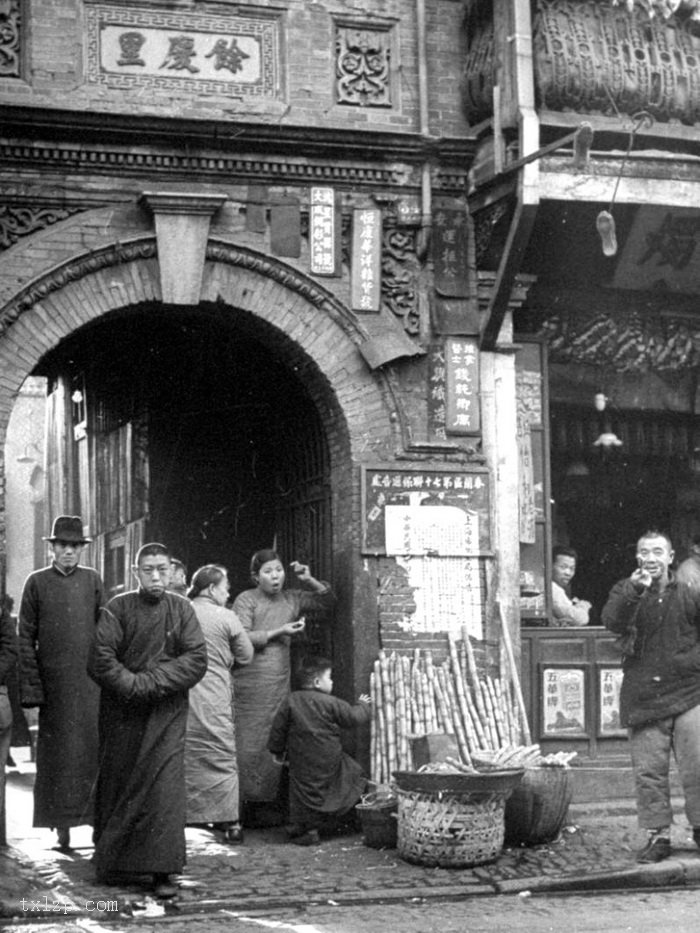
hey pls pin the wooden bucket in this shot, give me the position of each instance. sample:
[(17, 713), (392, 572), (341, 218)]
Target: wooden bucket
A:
[(536, 810)]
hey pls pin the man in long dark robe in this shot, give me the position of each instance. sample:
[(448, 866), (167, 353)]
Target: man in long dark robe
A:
[(58, 613), (148, 651)]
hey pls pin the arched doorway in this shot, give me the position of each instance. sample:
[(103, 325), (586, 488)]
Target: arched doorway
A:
[(244, 416)]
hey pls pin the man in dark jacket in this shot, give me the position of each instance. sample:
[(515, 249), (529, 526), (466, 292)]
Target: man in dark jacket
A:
[(148, 651), (57, 618), (658, 620)]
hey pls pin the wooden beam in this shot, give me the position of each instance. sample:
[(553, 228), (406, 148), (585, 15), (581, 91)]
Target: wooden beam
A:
[(513, 251)]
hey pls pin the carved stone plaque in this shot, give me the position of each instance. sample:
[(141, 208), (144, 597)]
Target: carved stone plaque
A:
[(135, 47)]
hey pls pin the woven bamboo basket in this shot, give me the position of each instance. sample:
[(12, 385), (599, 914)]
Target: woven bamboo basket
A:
[(450, 830), (537, 808)]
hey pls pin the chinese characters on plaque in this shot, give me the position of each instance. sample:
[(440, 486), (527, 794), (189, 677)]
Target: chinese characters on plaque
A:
[(450, 247), (366, 271), (437, 392), (132, 46), (323, 232), (462, 414)]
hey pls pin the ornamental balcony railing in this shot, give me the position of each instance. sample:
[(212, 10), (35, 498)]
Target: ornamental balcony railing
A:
[(597, 57)]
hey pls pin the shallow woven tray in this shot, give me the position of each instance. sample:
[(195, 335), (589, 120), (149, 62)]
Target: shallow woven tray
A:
[(434, 782)]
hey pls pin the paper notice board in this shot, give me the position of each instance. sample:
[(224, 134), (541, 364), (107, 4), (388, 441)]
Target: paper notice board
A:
[(433, 512)]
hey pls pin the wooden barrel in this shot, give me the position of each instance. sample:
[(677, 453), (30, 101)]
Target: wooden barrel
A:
[(537, 808)]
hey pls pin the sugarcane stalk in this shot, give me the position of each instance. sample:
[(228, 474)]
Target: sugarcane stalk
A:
[(514, 675), (473, 674), (489, 718), (496, 711), (389, 712), (457, 716)]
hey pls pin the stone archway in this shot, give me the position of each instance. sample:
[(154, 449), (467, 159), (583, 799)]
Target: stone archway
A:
[(125, 275)]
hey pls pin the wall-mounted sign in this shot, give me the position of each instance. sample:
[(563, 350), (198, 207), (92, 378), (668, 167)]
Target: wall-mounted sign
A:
[(437, 392), (366, 278), (462, 377), (450, 251), (434, 512), (164, 49), (609, 702), (323, 232), (563, 701)]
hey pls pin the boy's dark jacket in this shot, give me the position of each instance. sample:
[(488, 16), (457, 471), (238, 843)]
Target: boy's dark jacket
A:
[(322, 777)]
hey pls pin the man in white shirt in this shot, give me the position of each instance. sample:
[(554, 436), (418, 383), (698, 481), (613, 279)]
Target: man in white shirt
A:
[(566, 612)]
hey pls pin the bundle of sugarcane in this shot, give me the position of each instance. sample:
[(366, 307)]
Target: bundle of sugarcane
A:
[(414, 697)]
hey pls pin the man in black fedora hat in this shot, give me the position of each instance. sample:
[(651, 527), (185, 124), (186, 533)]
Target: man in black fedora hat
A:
[(57, 618)]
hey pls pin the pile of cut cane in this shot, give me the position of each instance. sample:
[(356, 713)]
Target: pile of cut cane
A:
[(412, 696)]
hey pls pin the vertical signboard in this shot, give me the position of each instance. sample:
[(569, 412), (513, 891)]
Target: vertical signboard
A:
[(462, 415), (323, 232), (366, 280)]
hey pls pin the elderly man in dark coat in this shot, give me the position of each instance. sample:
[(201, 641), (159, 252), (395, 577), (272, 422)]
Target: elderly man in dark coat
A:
[(57, 618), (148, 651)]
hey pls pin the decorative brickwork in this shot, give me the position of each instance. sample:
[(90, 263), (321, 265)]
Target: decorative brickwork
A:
[(363, 66), (18, 221), (400, 269), (10, 35)]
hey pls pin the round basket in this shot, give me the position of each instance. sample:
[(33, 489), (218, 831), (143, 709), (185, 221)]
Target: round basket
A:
[(434, 782), (537, 808), (379, 824), (450, 830)]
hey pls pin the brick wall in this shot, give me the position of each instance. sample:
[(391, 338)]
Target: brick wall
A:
[(59, 66)]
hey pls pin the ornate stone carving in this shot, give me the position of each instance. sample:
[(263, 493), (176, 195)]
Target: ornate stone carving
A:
[(10, 22), (400, 269), (363, 59), (623, 341), (16, 221), (595, 57)]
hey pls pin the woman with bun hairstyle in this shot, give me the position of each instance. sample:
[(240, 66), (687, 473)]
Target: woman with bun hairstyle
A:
[(272, 615), (211, 768)]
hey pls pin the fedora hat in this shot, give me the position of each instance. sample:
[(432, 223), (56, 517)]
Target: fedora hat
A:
[(68, 528)]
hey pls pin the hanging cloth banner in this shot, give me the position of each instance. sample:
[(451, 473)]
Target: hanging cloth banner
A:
[(323, 232), (366, 278), (462, 415)]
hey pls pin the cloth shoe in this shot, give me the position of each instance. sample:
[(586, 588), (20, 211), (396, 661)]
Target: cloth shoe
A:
[(233, 834), (163, 886), (657, 848), (310, 838)]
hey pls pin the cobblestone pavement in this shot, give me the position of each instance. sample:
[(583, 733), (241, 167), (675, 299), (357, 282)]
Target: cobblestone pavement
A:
[(268, 873)]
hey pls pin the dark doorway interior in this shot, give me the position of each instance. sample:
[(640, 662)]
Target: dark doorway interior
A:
[(236, 449), (604, 498)]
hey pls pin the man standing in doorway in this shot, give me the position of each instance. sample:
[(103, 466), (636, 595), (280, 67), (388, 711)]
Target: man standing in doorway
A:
[(566, 611), (148, 651), (659, 623), (57, 617)]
